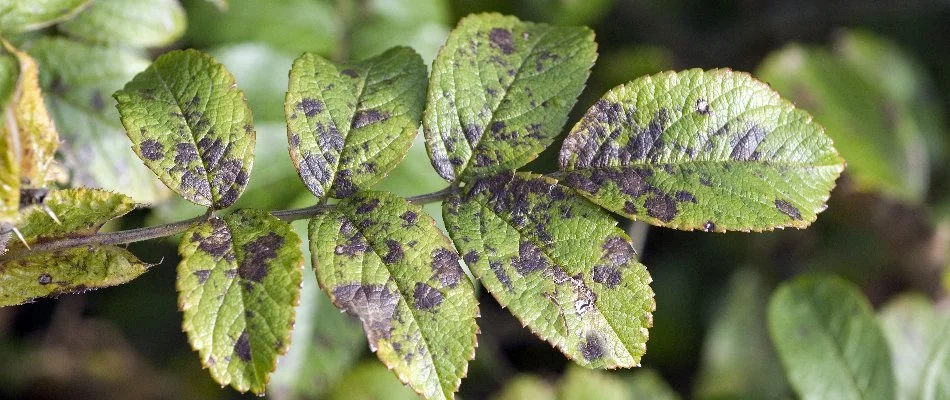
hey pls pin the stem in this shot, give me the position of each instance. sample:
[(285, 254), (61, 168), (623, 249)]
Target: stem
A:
[(174, 228)]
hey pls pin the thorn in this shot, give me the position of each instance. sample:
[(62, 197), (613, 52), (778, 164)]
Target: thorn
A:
[(49, 211), (22, 239)]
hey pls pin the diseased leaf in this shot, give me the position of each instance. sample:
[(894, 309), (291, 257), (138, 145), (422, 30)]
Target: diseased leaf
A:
[(140, 23), (713, 150), (500, 93), (383, 260), (349, 125), (77, 79), (559, 263), (191, 126), (238, 284), (80, 212), (919, 339), (829, 341), (20, 16), (69, 271)]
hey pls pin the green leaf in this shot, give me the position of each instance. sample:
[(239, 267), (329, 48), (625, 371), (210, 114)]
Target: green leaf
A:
[(828, 340), (370, 380), (80, 212), (77, 79), (139, 23), (191, 125), (379, 25), (253, 64), (526, 387), (69, 271), (649, 384), (580, 384), (500, 93), (20, 16), (238, 283), (222, 5), (349, 125), (559, 263), (713, 150), (383, 260), (919, 339), (9, 156)]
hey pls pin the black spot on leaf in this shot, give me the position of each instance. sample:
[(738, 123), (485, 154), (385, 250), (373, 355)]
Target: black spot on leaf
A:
[(367, 206), (367, 117), (593, 348), (202, 275), (45, 279), (426, 297), (702, 107), (445, 267), (529, 259), (500, 38), (743, 148), (500, 274), (685, 196), (409, 217), (471, 257), (788, 209), (618, 251), (374, 305), (242, 347), (661, 207), (185, 153), (152, 150), (256, 255), (218, 242), (394, 254), (310, 107), (709, 226), (607, 276), (350, 73)]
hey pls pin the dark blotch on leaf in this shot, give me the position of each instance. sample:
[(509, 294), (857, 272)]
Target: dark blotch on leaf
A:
[(350, 73), (788, 209), (218, 243), (367, 117), (185, 153), (367, 206), (618, 251), (607, 276), (685, 196), (661, 207), (256, 255), (709, 226), (500, 273), (45, 279), (152, 150), (426, 297), (471, 257), (743, 149), (445, 266), (242, 347), (593, 348), (409, 217), (529, 259), (373, 304), (501, 38), (702, 106), (310, 107), (394, 254), (202, 275)]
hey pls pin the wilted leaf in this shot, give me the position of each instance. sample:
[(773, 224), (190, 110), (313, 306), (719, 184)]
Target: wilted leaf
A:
[(139, 23), (26, 15), (527, 387), (69, 271), (80, 211), (559, 263), (919, 339), (500, 93), (349, 125), (384, 261), (370, 380), (713, 150), (191, 125), (828, 340), (238, 283)]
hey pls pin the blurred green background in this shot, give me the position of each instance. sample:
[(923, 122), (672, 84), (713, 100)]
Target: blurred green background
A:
[(874, 73)]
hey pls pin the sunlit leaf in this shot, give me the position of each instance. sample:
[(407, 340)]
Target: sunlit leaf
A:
[(349, 125), (27, 15), (80, 212), (69, 271), (191, 126), (139, 23), (919, 339), (500, 93), (712, 150), (384, 261), (829, 342), (558, 263), (238, 283)]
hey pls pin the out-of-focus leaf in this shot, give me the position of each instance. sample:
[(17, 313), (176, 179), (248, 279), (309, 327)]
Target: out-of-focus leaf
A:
[(919, 339), (565, 12), (26, 15), (382, 259), (712, 150), (738, 358), (527, 387), (238, 283), (863, 122), (581, 383), (191, 125), (500, 93), (69, 271), (370, 381), (383, 24), (276, 184), (349, 125), (139, 23), (648, 384), (9, 144), (221, 4), (80, 211), (77, 79), (828, 340), (254, 66), (559, 263)]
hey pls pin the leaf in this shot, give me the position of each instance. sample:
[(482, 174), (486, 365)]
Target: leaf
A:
[(370, 380), (222, 5), (80, 211), (9, 149), (829, 341), (253, 64), (68, 271), (649, 384), (140, 23), (580, 384), (384, 261), (919, 339), (77, 79), (526, 387), (558, 263), (500, 92), (422, 25), (349, 125), (238, 283), (20, 16), (713, 150), (191, 126)]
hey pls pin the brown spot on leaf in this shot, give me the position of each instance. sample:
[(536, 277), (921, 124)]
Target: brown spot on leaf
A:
[(501, 39), (788, 209), (152, 150), (242, 347), (445, 267), (45, 279), (426, 297), (374, 305), (256, 255)]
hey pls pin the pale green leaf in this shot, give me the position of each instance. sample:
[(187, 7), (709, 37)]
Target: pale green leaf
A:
[(713, 150), (422, 25), (349, 125), (526, 387), (26, 15), (238, 283), (80, 211), (919, 339), (68, 271), (139, 23), (370, 381), (9, 143), (558, 263), (253, 64), (384, 261), (581, 384), (647, 384), (191, 125), (829, 341), (500, 93)]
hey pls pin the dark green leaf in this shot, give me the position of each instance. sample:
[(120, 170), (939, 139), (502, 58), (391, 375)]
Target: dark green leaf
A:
[(139, 23)]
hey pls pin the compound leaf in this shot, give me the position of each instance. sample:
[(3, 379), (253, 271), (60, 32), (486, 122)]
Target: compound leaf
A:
[(919, 339), (349, 125), (191, 125), (829, 341), (68, 271), (238, 283), (80, 212), (20, 16), (500, 92), (559, 263), (140, 23), (383, 260), (713, 150)]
